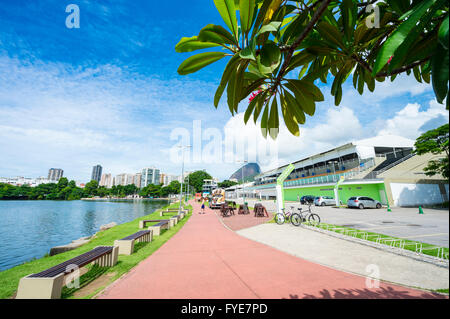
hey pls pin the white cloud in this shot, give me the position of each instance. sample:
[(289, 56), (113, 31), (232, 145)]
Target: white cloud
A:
[(54, 115), (339, 125), (408, 121)]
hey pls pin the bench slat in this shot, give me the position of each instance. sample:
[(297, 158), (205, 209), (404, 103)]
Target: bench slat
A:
[(80, 261), (136, 235)]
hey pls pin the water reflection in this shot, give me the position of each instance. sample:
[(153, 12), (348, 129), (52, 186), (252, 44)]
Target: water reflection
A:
[(28, 229)]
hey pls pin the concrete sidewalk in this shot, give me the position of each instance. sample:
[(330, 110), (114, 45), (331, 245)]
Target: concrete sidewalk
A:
[(206, 260), (349, 256)]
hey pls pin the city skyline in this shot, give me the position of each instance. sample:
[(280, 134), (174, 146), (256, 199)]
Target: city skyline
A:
[(119, 97)]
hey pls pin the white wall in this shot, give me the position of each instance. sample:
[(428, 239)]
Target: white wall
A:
[(405, 194)]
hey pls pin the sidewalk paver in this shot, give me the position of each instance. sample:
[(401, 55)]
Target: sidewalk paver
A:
[(206, 260)]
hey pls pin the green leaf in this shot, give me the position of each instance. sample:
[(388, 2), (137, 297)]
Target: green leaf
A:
[(260, 17), (239, 86), (191, 44), (331, 34), (231, 65), (303, 97), (338, 96), (264, 123), (227, 11), (289, 119), (313, 89), (249, 51), (439, 73), (361, 83), (295, 108), (349, 12), (216, 34), (269, 58), (399, 35), (231, 91), (250, 108), (199, 61), (246, 11), (404, 49), (443, 33), (301, 58), (250, 87), (259, 106), (270, 27), (273, 121)]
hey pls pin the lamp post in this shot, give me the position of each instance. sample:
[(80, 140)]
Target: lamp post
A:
[(243, 183), (182, 175)]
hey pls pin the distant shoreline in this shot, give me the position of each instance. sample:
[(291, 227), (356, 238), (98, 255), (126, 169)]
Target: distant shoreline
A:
[(130, 199)]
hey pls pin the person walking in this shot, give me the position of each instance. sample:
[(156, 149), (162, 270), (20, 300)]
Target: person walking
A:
[(203, 206)]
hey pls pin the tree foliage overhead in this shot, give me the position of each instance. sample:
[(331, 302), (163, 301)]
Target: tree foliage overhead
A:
[(281, 48), (435, 142)]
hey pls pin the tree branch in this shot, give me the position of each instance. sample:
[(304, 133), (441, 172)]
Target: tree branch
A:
[(298, 41), (404, 68)]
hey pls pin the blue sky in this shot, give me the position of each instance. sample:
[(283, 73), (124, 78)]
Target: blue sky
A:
[(109, 92)]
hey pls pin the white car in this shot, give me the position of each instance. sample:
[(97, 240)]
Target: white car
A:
[(324, 201), (362, 202)]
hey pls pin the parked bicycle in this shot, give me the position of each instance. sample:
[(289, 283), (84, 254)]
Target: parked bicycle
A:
[(303, 216), (281, 218)]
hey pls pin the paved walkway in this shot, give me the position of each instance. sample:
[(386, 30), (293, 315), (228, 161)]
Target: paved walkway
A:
[(241, 221), (349, 256), (206, 260)]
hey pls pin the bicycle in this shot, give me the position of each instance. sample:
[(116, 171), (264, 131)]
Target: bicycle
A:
[(303, 216), (281, 218)]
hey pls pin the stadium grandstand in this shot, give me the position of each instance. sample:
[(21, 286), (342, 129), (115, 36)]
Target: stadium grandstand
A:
[(383, 168)]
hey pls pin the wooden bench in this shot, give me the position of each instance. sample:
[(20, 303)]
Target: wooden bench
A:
[(243, 209), (260, 211), (168, 211), (143, 223), (126, 244), (226, 210), (48, 284), (160, 224)]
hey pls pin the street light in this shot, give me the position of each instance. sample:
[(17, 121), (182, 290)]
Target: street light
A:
[(182, 174), (243, 183)]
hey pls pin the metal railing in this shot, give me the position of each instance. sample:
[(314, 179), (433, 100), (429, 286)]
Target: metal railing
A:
[(396, 163)]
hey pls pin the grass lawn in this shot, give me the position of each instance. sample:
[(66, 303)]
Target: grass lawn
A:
[(9, 279)]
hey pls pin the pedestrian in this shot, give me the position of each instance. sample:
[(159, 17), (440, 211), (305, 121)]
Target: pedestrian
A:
[(203, 206)]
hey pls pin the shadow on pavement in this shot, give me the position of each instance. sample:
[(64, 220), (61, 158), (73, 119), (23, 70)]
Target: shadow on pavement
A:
[(379, 293)]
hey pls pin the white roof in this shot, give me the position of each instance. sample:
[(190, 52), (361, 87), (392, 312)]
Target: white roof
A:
[(364, 148), (386, 141)]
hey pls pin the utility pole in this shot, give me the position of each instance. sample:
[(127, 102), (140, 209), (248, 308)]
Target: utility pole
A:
[(182, 176), (243, 183)]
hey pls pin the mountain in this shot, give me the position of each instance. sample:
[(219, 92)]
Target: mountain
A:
[(250, 170)]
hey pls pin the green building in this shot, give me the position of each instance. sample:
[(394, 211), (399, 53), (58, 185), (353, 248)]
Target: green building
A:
[(383, 168)]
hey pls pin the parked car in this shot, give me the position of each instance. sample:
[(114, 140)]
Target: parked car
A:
[(362, 202), (324, 200), (307, 199)]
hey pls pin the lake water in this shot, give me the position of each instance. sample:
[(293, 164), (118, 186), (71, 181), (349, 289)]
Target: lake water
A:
[(28, 229)]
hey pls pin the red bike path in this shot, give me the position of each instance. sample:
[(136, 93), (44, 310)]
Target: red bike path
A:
[(205, 260)]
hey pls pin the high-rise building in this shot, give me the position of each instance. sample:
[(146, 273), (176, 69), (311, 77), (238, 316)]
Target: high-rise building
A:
[(54, 174), (137, 180), (106, 180), (129, 179), (161, 178), (120, 179), (96, 173), (168, 178), (150, 175)]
